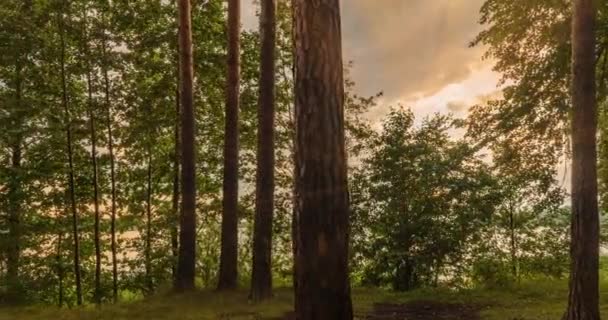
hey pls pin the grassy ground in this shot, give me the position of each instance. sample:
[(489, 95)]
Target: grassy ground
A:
[(530, 301)]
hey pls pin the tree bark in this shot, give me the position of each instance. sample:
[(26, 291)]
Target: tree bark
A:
[(322, 203), (187, 236), (583, 301), (229, 244), (261, 279), (68, 124)]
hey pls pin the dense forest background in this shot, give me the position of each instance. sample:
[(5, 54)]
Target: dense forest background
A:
[(89, 161)]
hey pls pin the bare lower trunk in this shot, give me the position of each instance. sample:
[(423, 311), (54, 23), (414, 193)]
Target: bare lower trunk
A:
[(229, 247), (322, 203), (261, 280), (187, 236), (583, 301)]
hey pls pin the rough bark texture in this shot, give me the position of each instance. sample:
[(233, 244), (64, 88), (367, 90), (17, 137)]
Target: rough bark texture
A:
[(322, 204), (68, 124), (187, 237), (583, 301), (229, 246), (261, 278)]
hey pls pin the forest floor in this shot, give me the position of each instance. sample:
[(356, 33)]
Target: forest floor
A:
[(538, 300)]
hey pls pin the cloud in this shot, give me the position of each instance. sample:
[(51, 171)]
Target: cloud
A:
[(462, 106), (416, 52), (409, 48)]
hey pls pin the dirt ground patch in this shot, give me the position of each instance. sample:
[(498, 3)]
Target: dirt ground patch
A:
[(424, 310)]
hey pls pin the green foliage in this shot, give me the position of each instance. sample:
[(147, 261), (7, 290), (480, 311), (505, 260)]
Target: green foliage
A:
[(428, 209), (419, 197)]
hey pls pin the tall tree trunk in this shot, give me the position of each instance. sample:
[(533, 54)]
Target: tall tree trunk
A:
[(187, 236), (148, 238), (15, 199), (322, 202), (109, 117), (96, 236), (68, 124), (175, 200), (583, 301), (261, 278), (93, 132), (229, 247)]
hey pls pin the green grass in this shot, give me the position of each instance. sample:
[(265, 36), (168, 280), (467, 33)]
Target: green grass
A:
[(534, 300)]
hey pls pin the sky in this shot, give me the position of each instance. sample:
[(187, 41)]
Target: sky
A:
[(414, 51)]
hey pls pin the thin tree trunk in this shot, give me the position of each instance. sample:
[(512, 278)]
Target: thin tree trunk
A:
[(229, 246), (14, 203), (261, 279), (14, 225), (187, 236), (59, 261), (68, 123), (148, 243), (583, 300), (97, 294), (109, 117), (513, 243), (323, 289), (93, 132), (175, 201)]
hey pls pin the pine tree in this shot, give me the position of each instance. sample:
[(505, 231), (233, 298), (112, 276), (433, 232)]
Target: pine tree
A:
[(229, 246), (261, 278), (322, 203), (583, 301), (187, 237)]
